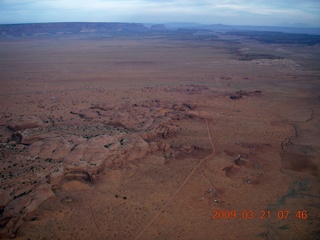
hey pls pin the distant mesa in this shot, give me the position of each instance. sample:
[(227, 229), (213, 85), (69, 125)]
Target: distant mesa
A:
[(158, 27), (267, 34), (18, 30)]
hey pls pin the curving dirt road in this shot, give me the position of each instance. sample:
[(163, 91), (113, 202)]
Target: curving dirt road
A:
[(213, 153)]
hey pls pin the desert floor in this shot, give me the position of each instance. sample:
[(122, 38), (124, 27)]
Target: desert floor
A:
[(150, 138)]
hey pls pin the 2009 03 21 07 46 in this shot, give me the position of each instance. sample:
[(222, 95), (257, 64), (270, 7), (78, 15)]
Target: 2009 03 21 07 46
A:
[(263, 214)]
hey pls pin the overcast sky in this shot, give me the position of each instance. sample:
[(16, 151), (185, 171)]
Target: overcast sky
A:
[(237, 12)]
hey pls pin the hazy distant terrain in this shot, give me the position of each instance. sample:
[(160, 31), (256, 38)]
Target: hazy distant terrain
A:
[(133, 131), (65, 28), (291, 35)]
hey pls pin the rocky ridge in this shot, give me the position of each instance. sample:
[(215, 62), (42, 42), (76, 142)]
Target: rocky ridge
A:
[(39, 154)]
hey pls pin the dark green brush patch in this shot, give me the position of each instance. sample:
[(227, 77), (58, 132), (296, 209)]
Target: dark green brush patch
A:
[(284, 227)]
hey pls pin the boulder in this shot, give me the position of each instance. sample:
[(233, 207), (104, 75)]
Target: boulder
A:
[(25, 122)]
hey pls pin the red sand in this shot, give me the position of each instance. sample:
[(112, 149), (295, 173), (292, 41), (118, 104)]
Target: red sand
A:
[(141, 140)]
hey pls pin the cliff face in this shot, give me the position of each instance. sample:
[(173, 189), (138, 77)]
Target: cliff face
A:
[(58, 28)]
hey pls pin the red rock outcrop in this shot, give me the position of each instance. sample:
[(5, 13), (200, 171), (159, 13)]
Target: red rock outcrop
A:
[(100, 136)]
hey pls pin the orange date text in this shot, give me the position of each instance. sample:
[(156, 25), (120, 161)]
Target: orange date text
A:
[(263, 214)]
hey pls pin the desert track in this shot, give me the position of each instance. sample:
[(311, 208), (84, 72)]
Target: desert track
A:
[(97, 230), (213, 154)]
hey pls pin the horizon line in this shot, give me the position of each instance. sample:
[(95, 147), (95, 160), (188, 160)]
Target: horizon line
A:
[(165, 23)]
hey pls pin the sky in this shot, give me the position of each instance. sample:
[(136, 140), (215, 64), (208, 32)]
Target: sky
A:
[(233, 12)]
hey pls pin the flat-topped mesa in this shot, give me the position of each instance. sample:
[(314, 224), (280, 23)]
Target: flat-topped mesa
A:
[(34, 29)]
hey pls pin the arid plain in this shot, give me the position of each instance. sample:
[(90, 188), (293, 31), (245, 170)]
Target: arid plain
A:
[(157, 138)]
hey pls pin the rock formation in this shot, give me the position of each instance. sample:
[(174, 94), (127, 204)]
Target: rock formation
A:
[(50, 154)]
